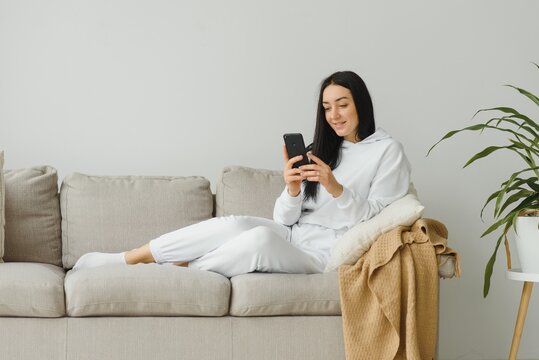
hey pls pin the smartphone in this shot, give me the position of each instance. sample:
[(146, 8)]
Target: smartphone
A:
[(295, 146)]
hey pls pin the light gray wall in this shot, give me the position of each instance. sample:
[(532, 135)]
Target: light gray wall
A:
[(187, 87)]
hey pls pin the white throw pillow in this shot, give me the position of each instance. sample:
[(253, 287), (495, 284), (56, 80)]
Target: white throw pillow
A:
[(356, 241)]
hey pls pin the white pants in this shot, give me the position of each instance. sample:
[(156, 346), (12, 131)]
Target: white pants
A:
[(234, 245)]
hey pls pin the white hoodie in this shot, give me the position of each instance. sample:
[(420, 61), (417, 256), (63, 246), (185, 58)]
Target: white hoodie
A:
[(374, 172)]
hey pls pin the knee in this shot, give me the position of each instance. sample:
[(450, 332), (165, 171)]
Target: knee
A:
[(263, 237), (239, 222), (260, 237)]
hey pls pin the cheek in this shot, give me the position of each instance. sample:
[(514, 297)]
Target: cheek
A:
[(353, 115)]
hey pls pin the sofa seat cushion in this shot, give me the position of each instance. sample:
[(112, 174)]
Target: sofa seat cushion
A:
[(264, 294), (31, 290), (146, 290)]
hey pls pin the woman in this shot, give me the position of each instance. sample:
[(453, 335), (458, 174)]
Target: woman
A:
[(354, 173)]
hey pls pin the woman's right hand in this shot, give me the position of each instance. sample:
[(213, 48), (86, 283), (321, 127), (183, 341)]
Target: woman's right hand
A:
[(292, 176)]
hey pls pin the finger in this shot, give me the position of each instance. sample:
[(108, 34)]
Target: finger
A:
[(294, 160), (310, 173), (292, 171), (294, 179), (318, 161), (315, 176), (310, 167), (315, 159)]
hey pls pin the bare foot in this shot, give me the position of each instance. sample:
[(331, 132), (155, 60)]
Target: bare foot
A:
[(139, 255)]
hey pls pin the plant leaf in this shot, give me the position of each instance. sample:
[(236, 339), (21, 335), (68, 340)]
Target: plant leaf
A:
[(531, 202), (524, 204), (527, 148), (508, 184), (514, 221), (496, 225), (526, 93), (485, 152), (510, 119), (515, 113), (526, 119), (490, 198), (516, 185), (453, 132), (490, 267), (520, 172), (474, 128), (503, 192), (533, 185), (513, 198), (490, 264)]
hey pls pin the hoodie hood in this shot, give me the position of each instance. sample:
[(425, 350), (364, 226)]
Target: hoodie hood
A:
[(379, 134)]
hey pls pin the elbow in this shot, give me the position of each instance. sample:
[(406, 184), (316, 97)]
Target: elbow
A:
[(278, 219), (282, 222)]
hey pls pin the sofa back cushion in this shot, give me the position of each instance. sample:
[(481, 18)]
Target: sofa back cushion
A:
[(119, 213), (32, 229), (246, 191), (2, 196)]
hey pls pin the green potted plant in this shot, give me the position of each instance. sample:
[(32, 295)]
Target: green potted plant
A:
[(516, 202)]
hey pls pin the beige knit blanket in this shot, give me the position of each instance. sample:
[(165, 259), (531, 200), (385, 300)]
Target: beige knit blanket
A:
[(389, 298)]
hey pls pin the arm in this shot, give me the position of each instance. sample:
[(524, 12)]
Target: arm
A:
[(287, 208), (390, 183)]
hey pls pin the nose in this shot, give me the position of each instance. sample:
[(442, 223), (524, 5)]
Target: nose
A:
[(334, 113)]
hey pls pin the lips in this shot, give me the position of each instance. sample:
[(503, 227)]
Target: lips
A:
[(339, 125)]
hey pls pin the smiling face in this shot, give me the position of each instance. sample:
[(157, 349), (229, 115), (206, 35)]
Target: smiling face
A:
[(341, 112)]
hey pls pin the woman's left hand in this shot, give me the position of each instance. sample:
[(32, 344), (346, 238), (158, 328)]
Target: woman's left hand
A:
[(321, 172)]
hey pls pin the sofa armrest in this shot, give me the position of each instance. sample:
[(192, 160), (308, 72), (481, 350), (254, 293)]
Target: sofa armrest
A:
[(446, 265)]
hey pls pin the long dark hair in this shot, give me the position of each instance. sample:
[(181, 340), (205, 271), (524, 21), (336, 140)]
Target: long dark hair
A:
[(326, 143)]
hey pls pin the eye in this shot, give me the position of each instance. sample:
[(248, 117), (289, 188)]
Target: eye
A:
[(342, 106), (327, 109)]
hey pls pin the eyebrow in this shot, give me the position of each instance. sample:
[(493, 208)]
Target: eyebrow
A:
[(341, 98)]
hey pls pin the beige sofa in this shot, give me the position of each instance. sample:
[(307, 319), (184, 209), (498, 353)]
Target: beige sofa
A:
[(47, 311)]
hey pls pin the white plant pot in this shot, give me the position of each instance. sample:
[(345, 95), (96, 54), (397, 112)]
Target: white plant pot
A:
[(527, 242)]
